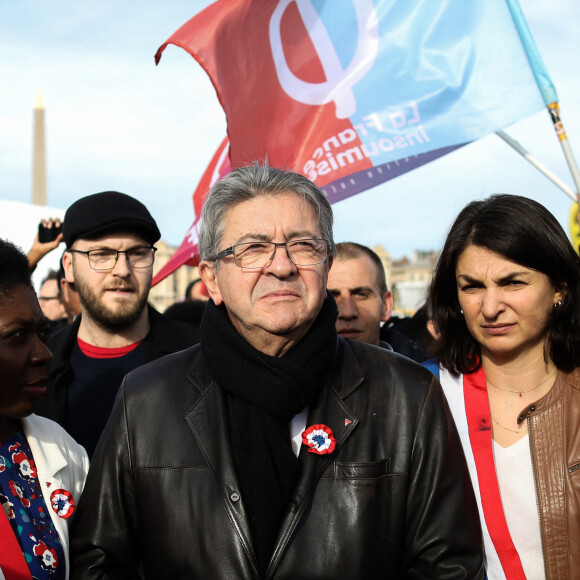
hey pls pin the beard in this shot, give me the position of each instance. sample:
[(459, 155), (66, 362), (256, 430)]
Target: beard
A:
[(117, 319)]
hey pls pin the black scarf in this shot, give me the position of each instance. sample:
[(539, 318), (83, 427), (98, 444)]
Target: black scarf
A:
[(264, 393)]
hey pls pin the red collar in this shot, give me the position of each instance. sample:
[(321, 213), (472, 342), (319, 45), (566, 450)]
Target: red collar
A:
[(101, 352)]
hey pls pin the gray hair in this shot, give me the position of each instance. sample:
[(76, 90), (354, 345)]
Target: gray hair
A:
[(253, 181)]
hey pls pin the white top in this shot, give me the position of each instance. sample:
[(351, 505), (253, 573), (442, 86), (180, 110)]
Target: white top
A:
[(515, 478), (297, 426)]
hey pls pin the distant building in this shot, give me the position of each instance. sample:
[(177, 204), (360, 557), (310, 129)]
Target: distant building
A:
[(408, 279), (172, 288)]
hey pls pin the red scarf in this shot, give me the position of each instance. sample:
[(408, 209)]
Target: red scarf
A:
[(12, 562)]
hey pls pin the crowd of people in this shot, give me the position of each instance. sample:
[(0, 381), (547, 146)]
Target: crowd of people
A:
[(278, 423)]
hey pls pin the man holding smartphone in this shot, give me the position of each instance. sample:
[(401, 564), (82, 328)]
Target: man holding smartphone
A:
[(48, 238)]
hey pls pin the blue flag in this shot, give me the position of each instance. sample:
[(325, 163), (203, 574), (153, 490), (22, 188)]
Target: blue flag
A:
[(352, 93)]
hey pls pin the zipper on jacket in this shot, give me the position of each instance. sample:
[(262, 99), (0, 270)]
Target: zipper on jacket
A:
[(574, 468), (536, 492)]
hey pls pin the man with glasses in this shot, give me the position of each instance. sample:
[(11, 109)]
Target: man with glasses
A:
[(109, 260), (50, 301), (276, 449)]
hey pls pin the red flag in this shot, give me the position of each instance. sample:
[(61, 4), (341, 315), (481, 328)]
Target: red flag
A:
[(352, 93), (187, 251), (236, 32)]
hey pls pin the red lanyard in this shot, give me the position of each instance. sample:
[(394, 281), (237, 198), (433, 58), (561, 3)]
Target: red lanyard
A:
[(479, 424)]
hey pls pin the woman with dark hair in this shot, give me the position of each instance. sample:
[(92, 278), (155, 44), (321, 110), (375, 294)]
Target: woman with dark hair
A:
[(505, 299), (42, 469)]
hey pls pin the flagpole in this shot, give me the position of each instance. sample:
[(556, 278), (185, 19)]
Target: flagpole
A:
[(554, 110), (545, 86), (537, 164)]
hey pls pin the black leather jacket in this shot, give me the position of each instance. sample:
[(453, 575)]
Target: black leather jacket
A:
[(394, 500)]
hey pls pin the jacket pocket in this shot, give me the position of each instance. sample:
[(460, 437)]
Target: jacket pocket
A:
[(574, 468), (367, 470)]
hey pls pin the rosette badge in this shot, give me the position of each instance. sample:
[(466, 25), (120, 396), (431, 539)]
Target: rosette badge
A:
[(62, 503), (319, 439)]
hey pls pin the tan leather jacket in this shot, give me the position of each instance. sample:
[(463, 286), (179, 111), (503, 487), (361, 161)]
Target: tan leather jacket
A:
[(554, 428)]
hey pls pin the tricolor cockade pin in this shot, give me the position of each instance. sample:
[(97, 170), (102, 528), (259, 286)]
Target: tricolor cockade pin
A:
[(319, 439), (62, 503)]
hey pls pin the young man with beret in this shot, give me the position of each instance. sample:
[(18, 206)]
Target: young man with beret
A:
[(109, 260)]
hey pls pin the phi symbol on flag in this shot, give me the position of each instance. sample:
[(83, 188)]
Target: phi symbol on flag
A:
[(339, 80)]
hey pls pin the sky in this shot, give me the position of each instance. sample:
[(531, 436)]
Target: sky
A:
[(115, 121)]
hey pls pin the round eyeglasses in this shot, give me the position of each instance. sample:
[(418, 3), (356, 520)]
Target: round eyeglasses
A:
[(257, 255), (105, 259)]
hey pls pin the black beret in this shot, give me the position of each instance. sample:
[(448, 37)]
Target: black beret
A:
[(97, 214)]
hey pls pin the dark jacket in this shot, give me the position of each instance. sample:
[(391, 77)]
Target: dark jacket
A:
[(165, 336), (402, 344), (392, 501)]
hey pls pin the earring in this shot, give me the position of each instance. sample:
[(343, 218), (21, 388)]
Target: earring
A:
[(557, 304), (461, 310)]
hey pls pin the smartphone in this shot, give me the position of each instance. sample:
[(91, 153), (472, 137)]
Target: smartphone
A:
[(48, 234)]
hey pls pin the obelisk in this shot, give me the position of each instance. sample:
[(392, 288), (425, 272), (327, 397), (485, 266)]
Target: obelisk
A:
[(39, 154)]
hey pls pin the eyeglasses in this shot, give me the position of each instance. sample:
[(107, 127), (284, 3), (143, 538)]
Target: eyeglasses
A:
[(258, 255), (105, 259)]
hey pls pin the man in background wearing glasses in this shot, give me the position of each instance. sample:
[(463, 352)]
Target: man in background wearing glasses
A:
[(276, 449), (109, 259)]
